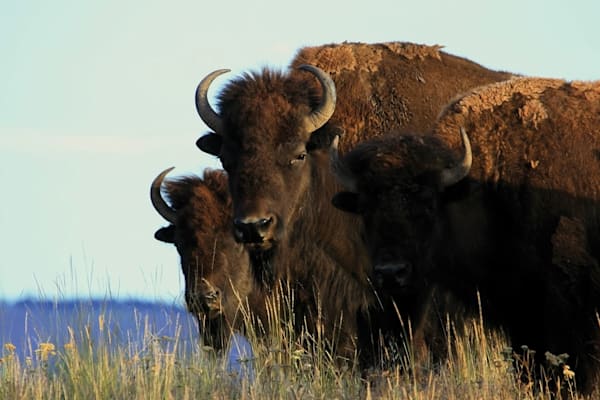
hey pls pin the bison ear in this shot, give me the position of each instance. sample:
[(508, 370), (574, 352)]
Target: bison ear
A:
[(210, 143), (346, 201), (166, 234), (322, 138)]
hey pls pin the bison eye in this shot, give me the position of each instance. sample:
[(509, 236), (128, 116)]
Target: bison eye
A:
[(299, 158)]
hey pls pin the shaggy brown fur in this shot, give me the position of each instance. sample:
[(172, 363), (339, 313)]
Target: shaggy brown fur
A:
[(392, 86), (218, 276), (523, 228), (277, 174)]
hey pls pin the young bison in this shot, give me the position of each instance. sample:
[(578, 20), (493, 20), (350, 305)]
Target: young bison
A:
[(217, 271)]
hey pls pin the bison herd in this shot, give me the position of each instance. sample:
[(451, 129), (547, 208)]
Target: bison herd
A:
[(393, 182)]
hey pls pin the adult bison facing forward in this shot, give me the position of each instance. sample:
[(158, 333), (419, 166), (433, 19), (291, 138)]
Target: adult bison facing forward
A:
[(219, 288), (511, 211), (270, 123), (272, 133)]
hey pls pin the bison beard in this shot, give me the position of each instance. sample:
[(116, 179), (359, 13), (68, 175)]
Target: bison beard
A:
[(272, 134), (522, 228)]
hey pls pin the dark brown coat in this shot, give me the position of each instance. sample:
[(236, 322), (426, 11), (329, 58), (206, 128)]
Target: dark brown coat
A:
[(522, 227), (279, 170), (219, 288)]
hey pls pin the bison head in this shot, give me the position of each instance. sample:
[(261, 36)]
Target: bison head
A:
[(396, 184), (264, 137), (216, 269)]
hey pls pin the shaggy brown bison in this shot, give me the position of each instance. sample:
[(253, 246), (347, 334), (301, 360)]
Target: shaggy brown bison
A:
[(512, 211), (270, 123), (218, 277), (272, 133)]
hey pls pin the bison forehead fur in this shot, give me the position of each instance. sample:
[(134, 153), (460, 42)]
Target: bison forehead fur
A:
[(203, 203), (265, 109)]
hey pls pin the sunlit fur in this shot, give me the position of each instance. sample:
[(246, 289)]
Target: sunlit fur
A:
[(523, 229)]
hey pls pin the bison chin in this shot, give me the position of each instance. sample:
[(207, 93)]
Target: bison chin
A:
[(214, 331), (255, 244), (260, 247)]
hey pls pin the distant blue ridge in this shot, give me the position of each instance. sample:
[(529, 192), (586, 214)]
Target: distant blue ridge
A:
[(131, 324)]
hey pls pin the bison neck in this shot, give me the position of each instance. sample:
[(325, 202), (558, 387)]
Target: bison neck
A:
[(323, 260), (322, 235)]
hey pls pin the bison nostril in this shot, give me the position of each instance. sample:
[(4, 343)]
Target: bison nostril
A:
[(239, 234), (264, 222), (244, 231)]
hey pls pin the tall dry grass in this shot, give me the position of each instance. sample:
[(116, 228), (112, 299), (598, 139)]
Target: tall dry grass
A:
[(284, 365)]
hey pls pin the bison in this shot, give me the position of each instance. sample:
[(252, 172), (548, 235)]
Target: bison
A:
[(219, 287), (511, 210), (272, 133)]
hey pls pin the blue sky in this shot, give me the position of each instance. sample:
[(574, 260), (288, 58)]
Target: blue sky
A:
[(96, 98)]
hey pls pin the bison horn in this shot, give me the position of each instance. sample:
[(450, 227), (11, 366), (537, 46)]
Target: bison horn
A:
[(450, 176), (341, 172), (319, 116), (206, 112), (160, 205)]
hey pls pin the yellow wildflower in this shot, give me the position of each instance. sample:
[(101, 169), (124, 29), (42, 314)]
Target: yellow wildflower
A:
[(44, 350), (567, 373), (69, 346), (46, 347), (10, 347)]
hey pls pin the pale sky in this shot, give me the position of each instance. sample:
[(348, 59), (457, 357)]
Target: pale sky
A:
[(96, 98)]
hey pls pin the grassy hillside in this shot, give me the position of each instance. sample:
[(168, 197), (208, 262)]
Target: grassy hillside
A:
[(134, 350)]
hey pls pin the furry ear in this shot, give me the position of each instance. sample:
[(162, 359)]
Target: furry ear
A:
[(322, 138), (166, 234), (346, 201), (210, 143)]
